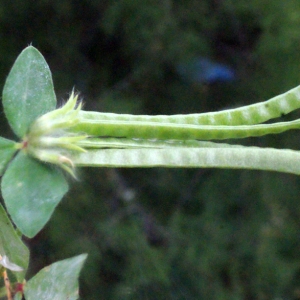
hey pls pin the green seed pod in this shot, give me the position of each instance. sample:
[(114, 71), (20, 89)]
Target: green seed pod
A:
[(246, 115)]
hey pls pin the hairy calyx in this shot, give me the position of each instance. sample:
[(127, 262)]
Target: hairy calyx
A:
[(49, 138)]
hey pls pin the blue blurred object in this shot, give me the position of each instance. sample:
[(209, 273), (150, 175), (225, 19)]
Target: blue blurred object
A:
[(203, 70)]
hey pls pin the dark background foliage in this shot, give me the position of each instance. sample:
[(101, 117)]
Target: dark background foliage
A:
[(165, 233)]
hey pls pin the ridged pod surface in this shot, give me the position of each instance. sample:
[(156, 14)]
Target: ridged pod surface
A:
[(246, 115)]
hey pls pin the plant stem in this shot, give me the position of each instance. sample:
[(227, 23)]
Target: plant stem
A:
[(7, 285)]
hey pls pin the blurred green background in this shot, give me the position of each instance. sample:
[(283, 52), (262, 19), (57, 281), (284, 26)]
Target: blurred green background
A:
[(167, 233)]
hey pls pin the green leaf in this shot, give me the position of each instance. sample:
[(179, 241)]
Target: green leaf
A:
[(12, 246), (31, 191), (56, 282), (210, 155), (7, 150), (28, 91), (18, 296)]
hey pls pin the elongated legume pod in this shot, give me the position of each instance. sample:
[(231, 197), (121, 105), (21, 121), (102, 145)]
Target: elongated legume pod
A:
[(169, 131), (238, 157), (124, 143), (246, 115)]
